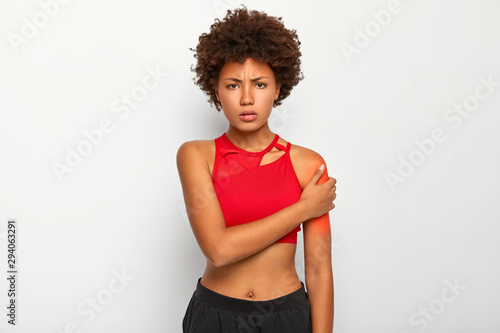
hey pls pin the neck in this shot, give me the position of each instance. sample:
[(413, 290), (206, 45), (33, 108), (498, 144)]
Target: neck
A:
[(256, 140)]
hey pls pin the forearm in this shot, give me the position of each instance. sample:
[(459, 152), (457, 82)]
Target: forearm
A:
[(320, 293), (241, 241)]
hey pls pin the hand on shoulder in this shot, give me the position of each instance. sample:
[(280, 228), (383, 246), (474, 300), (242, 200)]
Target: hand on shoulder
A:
[(306, 161)]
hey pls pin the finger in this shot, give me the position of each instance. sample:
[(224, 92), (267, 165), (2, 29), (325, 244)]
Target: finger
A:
[(331, 181), (317, 175)]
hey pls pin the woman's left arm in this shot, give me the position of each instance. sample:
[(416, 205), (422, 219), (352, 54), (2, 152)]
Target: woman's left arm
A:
[(318, 269), (317, 245)]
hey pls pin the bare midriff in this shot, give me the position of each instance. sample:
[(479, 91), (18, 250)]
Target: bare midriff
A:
[(268, 274)]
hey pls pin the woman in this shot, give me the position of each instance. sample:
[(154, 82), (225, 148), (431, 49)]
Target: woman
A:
[(248, 191)]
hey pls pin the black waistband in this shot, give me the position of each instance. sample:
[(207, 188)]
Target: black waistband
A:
[(223, 302)]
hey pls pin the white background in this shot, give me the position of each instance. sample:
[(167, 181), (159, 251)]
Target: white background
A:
[(396, 249)]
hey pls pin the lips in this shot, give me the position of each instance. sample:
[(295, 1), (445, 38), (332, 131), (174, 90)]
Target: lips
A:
[(248, 115), (248, 112)]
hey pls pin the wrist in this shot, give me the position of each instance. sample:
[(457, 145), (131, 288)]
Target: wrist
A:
[(303, 213)]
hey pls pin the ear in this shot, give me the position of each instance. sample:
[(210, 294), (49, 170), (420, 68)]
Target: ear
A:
[(217, 94), (276, 95)]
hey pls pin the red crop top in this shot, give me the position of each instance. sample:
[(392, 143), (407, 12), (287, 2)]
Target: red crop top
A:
[(248, 191)]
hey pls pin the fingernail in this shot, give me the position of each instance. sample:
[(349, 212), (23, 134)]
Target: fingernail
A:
[(321, 167)]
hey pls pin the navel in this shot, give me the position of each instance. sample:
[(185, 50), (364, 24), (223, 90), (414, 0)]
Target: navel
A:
[(250, 294)]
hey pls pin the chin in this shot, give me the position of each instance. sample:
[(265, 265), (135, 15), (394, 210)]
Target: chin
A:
[(247, 127)]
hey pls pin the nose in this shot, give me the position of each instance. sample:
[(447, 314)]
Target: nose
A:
[(247, 96)]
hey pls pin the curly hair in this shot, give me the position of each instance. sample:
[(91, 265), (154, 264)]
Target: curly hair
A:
[(246, 34)]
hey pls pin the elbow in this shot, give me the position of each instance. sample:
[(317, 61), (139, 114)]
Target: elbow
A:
[(215, 260), (216, 248), (216, 256)]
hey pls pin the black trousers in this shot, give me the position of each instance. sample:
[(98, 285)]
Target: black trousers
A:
[(211, 312)]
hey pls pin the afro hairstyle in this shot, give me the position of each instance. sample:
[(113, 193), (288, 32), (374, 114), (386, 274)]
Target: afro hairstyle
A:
[(246, 34)]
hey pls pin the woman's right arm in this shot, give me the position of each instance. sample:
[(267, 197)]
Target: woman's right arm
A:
[(221, 245)]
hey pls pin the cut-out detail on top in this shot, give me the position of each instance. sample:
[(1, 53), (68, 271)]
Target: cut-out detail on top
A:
[(239, 160), (251, 153), (282, 153)]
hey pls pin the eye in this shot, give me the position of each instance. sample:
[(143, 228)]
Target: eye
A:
[(261, 85), (232, 86)]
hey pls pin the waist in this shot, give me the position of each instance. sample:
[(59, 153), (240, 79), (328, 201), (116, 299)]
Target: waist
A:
[(285, 302), (267, 274)]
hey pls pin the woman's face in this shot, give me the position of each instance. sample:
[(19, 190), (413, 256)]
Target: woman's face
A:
[(246, 93)]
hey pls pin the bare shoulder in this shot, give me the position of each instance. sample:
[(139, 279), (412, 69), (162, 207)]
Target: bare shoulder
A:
[(195, 152), (198, 146), (305, 161), (304, 155)]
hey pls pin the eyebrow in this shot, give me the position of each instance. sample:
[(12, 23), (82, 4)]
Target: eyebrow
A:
[(253, 80)]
